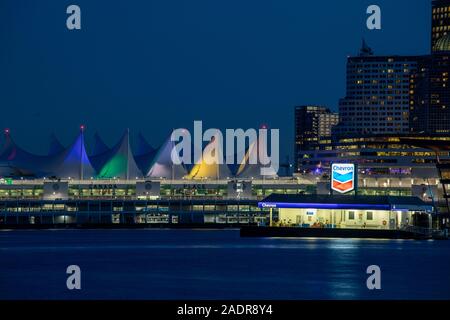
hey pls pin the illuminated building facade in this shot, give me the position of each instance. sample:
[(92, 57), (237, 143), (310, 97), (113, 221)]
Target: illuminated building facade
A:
[(440, 20), (159, 203), (386, 164), (430, 105), (313, 123), (120, 162), (341, 212), (439, 103), (377, 95), (430, 111)]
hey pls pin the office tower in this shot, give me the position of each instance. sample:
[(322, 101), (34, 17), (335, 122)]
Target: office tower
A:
[(378, 94), (430, 105), (440, 20), (312, 123)]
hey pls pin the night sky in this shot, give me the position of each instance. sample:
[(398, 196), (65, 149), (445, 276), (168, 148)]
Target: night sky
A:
[(156, 65)]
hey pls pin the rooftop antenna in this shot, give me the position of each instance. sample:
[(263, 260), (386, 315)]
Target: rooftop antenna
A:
[(365, 50), (81, 153), (128, 154)]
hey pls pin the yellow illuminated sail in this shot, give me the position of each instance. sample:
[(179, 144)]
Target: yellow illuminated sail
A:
[(211, 164)]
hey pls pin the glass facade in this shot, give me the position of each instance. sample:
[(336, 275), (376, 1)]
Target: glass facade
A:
[(131, 212), (377, 96), (440, 20)]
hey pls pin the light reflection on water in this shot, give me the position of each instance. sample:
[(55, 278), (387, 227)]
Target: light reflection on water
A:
[(207, 264)]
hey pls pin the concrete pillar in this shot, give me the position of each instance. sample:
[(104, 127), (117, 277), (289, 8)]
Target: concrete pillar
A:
[(270, 217)]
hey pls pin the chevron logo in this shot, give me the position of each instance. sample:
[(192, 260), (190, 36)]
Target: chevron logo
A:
[(343, 177)]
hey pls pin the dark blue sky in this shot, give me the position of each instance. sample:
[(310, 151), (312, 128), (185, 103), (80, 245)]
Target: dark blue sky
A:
[(160, 64)]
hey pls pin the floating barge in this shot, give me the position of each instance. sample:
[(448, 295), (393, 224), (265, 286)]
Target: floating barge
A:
[(330, 216)]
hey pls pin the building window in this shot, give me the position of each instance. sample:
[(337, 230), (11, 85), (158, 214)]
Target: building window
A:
[(369, 215), (351, 215)]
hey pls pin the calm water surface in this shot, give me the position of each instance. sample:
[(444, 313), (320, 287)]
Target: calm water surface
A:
[(211, 264)]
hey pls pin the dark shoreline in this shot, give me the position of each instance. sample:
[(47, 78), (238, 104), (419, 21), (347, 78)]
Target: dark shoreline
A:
[(118, 226)]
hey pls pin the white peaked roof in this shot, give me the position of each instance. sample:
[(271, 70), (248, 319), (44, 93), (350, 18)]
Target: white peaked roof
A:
[(14, 161), (211, 165), (8, 164), (163, 166), (120, 162), (253, 170), (73, 162)]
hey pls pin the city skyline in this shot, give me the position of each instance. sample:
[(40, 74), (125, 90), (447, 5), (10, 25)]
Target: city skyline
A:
[(273, 59)]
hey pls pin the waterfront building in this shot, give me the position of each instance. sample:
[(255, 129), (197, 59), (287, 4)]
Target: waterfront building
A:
[(357, 212), (249, 170), (159, 203), (108, 212), (162, 198), (444, 174), (119, 162), (71, 162), (443, 169), (162, 166), (384, 162), (211, 165), (386, 166), (94, 189)]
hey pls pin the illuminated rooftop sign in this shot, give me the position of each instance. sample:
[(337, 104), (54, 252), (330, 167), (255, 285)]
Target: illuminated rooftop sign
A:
[(344, 206), (343, 177)]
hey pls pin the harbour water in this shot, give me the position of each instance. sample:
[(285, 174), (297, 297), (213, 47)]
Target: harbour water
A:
[(216, 264)]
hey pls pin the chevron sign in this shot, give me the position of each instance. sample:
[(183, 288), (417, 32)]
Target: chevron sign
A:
[(343, 177)]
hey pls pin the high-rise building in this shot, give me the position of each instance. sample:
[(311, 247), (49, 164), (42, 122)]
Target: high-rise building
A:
[(440, 20), (420, 89), (378, 94), (312, 123), (439, 110), (430, 105), (326, 122)]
